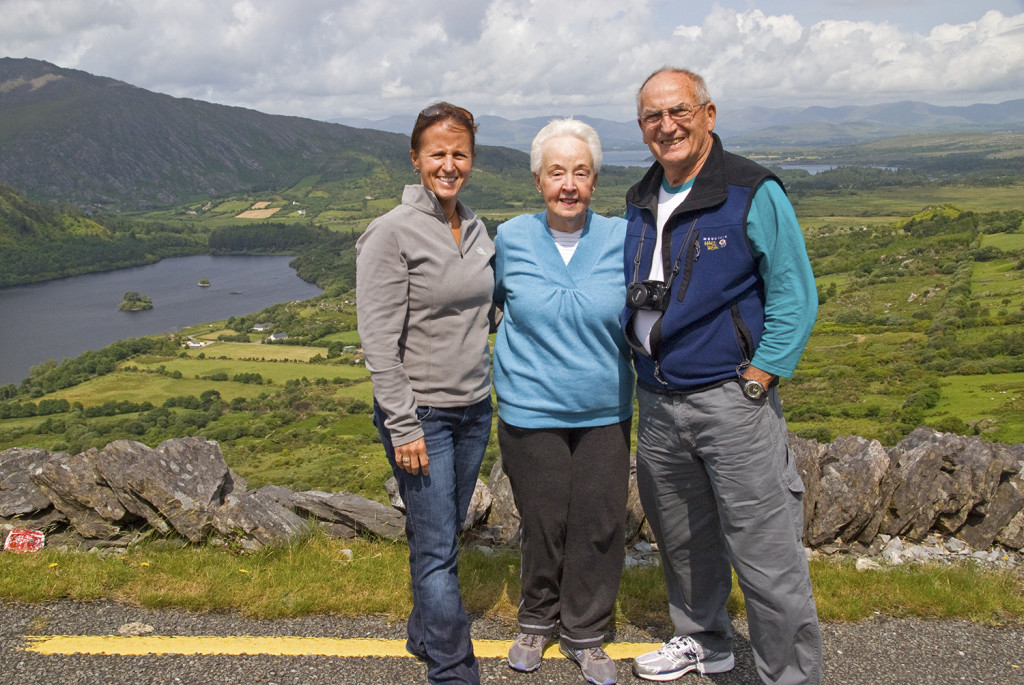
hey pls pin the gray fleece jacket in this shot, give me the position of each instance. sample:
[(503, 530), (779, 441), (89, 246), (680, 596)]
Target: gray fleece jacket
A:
[(422, 303)]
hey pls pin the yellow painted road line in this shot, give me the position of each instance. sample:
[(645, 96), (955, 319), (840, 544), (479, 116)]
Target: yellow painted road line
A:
[(276, 646)]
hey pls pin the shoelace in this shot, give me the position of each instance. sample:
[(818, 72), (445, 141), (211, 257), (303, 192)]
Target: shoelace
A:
[(531, 640), (596, 653), (685, 646)]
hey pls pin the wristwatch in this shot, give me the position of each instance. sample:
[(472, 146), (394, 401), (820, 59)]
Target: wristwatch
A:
[(752, 389)]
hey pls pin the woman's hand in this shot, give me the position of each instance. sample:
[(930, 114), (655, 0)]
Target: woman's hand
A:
[(412, 457)]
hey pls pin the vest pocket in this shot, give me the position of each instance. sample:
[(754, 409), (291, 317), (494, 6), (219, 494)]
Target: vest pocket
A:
[(743, 337)]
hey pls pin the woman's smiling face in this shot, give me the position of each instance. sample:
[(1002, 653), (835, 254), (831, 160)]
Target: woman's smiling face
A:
[(444, 160), (566, 181)]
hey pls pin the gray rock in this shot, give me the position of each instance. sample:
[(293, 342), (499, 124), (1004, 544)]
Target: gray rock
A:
[(952, 484), (504, 516), (1012, 534), (852, 469), (479, 504), (76, 489), (48, 519), (365, 516), (260, 516), (808, 455), (18, 494), (122, 464), (179, 484), (637, 527), (191, 485), (394, 496)]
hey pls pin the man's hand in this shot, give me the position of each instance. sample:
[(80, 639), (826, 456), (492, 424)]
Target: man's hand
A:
[(755, 374), (412, 457)]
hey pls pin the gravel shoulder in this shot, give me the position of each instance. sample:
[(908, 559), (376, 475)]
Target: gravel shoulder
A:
[(881, 650)]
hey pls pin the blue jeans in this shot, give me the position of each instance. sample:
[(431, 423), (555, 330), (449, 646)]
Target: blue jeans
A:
[(436, 507)]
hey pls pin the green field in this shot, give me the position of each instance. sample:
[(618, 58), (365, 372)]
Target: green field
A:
[(921, 323), (885, 206), (257, 352)]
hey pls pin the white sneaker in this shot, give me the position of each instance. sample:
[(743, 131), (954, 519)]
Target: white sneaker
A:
[(679, 656)]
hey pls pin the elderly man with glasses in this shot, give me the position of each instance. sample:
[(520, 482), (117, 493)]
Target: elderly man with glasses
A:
[(720, 302)]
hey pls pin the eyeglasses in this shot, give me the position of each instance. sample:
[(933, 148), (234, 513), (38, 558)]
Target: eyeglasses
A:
[(443, 108), (681, 114)]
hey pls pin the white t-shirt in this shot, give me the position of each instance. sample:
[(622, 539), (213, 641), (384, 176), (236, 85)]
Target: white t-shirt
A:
[(669, 197), (566, 242)]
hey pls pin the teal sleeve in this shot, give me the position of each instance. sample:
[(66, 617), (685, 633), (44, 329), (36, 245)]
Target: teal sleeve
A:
[(791, 298)]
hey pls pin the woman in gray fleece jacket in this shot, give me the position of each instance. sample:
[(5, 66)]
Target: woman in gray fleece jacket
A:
[(424, 282)]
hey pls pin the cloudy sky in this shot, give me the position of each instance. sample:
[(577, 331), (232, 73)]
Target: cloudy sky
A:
[(515, 58)]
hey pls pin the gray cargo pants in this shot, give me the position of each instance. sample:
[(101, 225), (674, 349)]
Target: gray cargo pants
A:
[(719, 487)]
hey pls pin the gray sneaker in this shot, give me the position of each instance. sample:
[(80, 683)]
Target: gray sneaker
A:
[(526, 652), (679, 656), (596, 666)]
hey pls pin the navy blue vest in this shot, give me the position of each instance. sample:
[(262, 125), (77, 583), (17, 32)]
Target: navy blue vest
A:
[(715, 316)]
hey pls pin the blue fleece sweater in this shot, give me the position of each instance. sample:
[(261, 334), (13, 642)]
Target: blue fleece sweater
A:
[(560, 358)]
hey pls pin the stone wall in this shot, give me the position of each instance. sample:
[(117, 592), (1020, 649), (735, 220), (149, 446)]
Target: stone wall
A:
[(855, 491)]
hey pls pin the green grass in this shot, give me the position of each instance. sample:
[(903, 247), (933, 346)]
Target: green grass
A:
[(142, 387), (889, 205), (319, 575), (277, 371), (345, 337), (258, 351), (1007, 242), (998, 397)]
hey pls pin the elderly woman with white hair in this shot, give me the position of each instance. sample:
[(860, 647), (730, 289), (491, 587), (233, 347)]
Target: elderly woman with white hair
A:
[(565, 402)]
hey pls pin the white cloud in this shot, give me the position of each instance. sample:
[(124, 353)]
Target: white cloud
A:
[(763, 59), (328, 58)]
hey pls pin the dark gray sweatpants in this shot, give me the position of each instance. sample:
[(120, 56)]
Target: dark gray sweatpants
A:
[(570, 486), (720, 489)]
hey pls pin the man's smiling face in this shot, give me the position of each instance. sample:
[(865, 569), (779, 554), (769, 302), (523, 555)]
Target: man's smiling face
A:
[(680, 145)]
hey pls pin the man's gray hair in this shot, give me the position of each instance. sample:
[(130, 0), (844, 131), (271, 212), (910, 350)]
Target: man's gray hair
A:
[(565, 127), (700, 87)]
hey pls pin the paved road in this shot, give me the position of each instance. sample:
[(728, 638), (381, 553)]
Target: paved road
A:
[(881, 651)]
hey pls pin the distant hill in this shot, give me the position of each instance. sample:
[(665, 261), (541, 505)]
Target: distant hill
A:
[(93, 142), (22, 220), (69, 136), (763, 126)]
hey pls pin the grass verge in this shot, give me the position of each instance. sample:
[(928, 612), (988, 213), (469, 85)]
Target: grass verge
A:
[(319, 575)]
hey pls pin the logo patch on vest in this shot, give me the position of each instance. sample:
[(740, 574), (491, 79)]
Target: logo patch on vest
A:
[(713, 243)]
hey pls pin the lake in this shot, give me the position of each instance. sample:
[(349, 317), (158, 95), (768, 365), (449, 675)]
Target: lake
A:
[(628, 157), (63, 318)]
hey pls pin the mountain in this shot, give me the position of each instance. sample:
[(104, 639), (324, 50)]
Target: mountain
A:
[(84, 139), (763, 126), (90, 141), (69, 136)]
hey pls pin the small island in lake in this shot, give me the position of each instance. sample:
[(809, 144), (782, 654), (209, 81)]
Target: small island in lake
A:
[(135, 302), (204, 283)]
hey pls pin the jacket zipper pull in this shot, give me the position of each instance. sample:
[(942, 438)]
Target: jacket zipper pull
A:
[(657, 374)]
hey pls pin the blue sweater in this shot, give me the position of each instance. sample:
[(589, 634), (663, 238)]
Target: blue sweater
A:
[(560, 358)]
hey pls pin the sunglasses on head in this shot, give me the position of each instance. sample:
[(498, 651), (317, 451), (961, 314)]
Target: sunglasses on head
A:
[(443, 108)]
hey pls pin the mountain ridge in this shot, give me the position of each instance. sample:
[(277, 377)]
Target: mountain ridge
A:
[(69, 136), (746, 127), (98, 143)]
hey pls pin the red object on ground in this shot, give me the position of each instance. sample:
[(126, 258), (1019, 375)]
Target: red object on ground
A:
[(21, 540)]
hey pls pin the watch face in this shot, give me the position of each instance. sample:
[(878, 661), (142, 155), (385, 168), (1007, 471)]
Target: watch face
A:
[(753, 389)]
